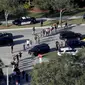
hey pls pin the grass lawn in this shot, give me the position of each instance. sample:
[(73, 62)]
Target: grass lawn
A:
[(46, 23), (50, 55)]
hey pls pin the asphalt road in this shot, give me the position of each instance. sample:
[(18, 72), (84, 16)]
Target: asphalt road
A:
[(22, 35)]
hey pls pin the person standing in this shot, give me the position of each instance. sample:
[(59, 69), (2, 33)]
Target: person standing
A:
[(23, 74), (57, 43), (57, 23), (11, 48), (41, 23), (66, 25), (24, 47), (26, 77), (35, 38)]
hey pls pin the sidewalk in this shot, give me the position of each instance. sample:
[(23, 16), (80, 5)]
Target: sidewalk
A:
[(55, 18)]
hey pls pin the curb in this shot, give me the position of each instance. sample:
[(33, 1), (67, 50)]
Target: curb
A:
[(13, 29)]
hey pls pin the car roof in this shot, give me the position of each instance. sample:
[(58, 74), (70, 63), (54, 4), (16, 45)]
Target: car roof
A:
[(41, 45), (66, 32), (66, 48)]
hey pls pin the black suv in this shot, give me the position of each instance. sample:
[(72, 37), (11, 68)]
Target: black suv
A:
[(6, 38), (69, 35), (24, 21), (74, 43), (40, 49)]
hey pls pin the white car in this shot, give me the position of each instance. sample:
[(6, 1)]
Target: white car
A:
[(67, 50)]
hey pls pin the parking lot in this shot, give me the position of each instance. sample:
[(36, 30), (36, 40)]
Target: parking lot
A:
[(22, 35)]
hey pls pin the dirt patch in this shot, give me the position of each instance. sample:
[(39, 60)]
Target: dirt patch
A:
[(37, 10)]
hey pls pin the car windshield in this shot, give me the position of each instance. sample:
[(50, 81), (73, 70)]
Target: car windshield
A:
[(60, 50), (70, 50)]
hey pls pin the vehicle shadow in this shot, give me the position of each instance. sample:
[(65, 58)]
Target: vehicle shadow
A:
[(17, 36), (19, 41), (52, 49)]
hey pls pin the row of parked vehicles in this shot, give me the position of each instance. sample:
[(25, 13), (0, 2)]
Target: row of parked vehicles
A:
[(72, 41), (6, 39), (26, 21)]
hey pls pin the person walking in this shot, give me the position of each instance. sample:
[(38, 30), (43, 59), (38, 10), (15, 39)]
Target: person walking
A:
[(35, 38), (33, 30), (43, 32), (11, 48), (28, 43), (20, 54), (17, 57)]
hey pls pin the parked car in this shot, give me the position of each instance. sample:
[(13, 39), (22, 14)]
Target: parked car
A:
[(39, 49), (74, 43), (24, 21), (69, 35), (6, 38), (67, 50)]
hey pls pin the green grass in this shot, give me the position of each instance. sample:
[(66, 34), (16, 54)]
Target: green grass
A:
[(74, 12), (46, 23), (50, 55)]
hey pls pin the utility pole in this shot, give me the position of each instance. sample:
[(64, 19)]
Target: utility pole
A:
[(7, 75)]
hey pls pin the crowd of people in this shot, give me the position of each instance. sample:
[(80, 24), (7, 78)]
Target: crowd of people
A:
[(16, 58)]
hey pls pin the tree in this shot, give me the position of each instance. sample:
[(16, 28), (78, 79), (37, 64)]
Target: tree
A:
[(64, 70), (60, 5), (9, 7)]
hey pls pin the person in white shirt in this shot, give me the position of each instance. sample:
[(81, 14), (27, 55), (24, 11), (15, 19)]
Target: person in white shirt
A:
[(28, 42)]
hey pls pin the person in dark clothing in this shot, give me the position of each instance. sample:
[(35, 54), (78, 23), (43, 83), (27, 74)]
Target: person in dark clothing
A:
[(57, 23), (26, 77), (43, 32), (57, 43), (35, 37), (11, 48), (66, 25), (84, 17), (17, 57), (41, 22), (33, 30), (23, 74), (20, 54)]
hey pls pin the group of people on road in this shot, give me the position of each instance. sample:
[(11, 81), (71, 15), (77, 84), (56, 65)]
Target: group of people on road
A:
[(48, 31), (59, 44), (17, 77)]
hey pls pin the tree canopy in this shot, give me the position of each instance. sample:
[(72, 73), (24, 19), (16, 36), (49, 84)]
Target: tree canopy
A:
[(54, 4), (63, 70), (10, 7)]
